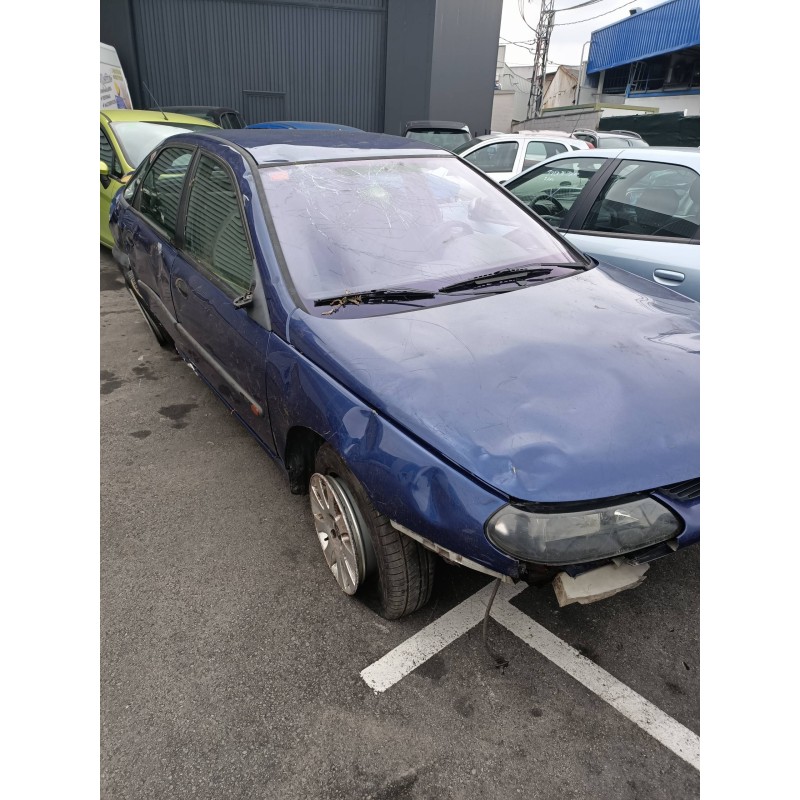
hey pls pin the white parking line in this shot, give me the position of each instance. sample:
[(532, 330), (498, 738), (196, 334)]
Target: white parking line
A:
[(653, 720), (406, 657)]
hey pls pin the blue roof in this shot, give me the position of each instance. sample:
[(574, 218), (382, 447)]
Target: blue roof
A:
[(665, 28), (302, 126), (280, 145)]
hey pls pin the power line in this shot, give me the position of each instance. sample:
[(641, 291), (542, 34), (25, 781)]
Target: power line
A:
[(578, 21)]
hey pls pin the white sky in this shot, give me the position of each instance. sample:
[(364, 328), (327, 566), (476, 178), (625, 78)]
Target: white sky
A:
[(566, 40)]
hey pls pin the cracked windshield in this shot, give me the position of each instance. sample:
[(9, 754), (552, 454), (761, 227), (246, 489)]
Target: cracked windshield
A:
[(357, 226)]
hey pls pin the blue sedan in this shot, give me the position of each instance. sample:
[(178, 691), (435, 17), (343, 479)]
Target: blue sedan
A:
[(440, 371)]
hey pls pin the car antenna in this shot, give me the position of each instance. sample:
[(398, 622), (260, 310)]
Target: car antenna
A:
[(155, 101)]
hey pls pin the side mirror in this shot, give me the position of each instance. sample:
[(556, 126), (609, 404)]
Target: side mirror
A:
[(104, 178)]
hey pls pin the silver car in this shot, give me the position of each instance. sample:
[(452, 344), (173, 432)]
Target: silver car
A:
[(638, 209)]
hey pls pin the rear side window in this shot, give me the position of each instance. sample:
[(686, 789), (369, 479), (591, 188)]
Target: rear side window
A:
[(162, 186), (538, 151), (646, 198), (552, 189), (215, 233), (498, 157)]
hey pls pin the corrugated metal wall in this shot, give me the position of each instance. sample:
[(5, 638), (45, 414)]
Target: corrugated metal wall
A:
[(271, 59), (661, 29)]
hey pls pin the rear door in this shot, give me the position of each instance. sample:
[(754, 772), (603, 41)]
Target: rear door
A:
[(152, 235), (219, 303)]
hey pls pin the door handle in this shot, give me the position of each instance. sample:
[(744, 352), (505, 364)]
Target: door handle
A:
[(180, 285), (668, 275)]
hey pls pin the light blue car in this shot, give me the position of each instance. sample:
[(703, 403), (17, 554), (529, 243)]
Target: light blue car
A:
[(638, 209)]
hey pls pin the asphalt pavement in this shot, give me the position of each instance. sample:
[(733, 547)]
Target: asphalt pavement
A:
[(231, 662)]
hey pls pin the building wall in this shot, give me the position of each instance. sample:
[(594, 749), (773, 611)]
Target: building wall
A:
[(679, 102), (502, 111), (463, 61), (441, 61), (409, 52), (372, 64), (561, 91)]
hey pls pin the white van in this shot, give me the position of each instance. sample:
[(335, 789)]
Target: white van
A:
[(113, 86)]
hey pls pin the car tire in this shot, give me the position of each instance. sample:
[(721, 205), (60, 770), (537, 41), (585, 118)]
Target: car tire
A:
[(157, 329), (405, 569)]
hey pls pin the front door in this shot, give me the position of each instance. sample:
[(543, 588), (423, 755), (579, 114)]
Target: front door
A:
[(212, 278)]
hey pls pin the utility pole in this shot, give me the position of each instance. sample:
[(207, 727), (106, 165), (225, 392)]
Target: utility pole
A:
[(543, 31)]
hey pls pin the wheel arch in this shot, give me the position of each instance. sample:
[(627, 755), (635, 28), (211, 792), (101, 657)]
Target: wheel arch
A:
[(302, 444)]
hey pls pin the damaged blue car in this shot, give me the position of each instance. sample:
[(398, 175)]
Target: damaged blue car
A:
[(440, 371)]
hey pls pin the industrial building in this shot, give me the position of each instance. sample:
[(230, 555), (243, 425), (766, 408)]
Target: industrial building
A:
[(371, 64)]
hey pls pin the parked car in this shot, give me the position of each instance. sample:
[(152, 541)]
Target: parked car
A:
[(126, 137), (638, 209), (223, 116), (430, 361), (501, 157), (303, 126), (610, 139), (444, 133)]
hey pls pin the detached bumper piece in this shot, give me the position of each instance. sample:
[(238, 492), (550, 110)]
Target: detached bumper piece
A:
[(597, 584)]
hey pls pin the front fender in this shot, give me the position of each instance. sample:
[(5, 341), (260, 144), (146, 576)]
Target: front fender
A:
[(403, 478)]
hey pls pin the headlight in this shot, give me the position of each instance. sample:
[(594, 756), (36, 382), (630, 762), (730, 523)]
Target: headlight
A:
[(573, 537)]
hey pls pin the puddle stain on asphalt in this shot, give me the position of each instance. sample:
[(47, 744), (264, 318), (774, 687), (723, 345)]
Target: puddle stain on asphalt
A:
[(110, 282), (140, 434), (109, 381), (434, 668), (146, 372), (176, 413)]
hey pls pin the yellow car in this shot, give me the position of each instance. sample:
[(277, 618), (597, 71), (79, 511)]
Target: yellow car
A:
[(126, 137)]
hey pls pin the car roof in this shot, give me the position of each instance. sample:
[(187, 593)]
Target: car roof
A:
[(437, 123), (300, 126), (137, 115), (190, 109), (516, 137), (684, 156), (284, 145)]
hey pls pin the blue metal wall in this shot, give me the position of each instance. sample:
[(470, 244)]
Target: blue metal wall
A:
[(662, 29), (320, 60)]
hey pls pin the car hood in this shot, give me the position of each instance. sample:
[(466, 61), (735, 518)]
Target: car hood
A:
[(579, 388)]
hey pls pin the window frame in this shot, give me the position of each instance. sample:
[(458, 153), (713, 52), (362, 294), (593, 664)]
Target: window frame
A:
[(186, 254), (115, 168), (577, 222), (488, 144), (580, 208), (135, 201)]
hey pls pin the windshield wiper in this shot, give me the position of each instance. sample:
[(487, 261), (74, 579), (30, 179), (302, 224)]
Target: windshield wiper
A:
[(509, 275), (373, 296)]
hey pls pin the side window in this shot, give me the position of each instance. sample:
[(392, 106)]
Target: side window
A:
[(108, 155), (215, 233), (494, 157), (534, 153), (538, 151), (133, 184), (552, 190), (162, 186), (648, 199)]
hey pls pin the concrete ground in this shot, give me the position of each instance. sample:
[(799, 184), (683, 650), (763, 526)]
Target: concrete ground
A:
[(231, 661)]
